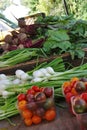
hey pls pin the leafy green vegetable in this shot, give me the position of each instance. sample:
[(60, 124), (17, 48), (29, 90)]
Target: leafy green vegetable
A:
[(64, 34), (57, 39), (76, 50), (59, 35)]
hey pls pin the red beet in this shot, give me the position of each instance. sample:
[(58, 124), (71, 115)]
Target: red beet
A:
[(12, 47), (38, 43), (27, 43)]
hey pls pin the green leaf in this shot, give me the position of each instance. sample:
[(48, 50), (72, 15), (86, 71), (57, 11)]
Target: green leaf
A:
[(60, 35), (80, 53), (48, 45), (72, 53), (57, 39), (64, 45)]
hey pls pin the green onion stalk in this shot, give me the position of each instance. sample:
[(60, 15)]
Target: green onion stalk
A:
[(8, 108), (13, 53), (18, 56)]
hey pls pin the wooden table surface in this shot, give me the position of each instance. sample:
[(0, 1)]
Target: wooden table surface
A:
[(64, 121)]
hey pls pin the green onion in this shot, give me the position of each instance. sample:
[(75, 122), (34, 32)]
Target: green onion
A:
[(20, 57)]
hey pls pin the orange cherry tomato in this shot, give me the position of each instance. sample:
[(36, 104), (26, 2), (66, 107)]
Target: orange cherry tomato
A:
[(73, 81), (66, 84), (50, 115), (73, 91), (36, 119), (22, 104), (28, 121), (27, 113)]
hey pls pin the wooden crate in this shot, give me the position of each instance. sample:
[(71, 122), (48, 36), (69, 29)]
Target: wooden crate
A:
[(28, 20)]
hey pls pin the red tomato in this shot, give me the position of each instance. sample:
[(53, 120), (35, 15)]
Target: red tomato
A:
[(84, 96), (67, 90), (36, 88), (68, 97), (21, 97), (85, 85), (41, 89), (31, 91)]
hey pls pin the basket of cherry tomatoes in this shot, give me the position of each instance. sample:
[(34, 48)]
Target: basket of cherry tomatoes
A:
[(79, 108), (36, 105), (75, 92)]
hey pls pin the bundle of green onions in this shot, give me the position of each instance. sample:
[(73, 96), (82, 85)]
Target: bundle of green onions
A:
[(18, 56), (55, 80)]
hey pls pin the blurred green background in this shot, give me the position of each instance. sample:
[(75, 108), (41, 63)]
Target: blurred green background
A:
[(50, 7)]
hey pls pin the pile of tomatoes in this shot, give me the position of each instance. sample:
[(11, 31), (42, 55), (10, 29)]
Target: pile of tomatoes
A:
[(37, 104), (75, 92)]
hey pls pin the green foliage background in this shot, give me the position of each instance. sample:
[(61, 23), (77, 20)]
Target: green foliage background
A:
[(76, 7), (53, 7), (30, 3)]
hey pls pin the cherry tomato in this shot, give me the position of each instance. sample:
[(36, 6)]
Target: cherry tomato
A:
[(68, 97), (21, 97), (22, 105), (31, 91), (73, 81), (73, 91), (36, 119), (84, 96), (28, 121), (27, 113), (86, 85), (41, 89), (66, 84), (36, 88), (67, 90), (50, 115)]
